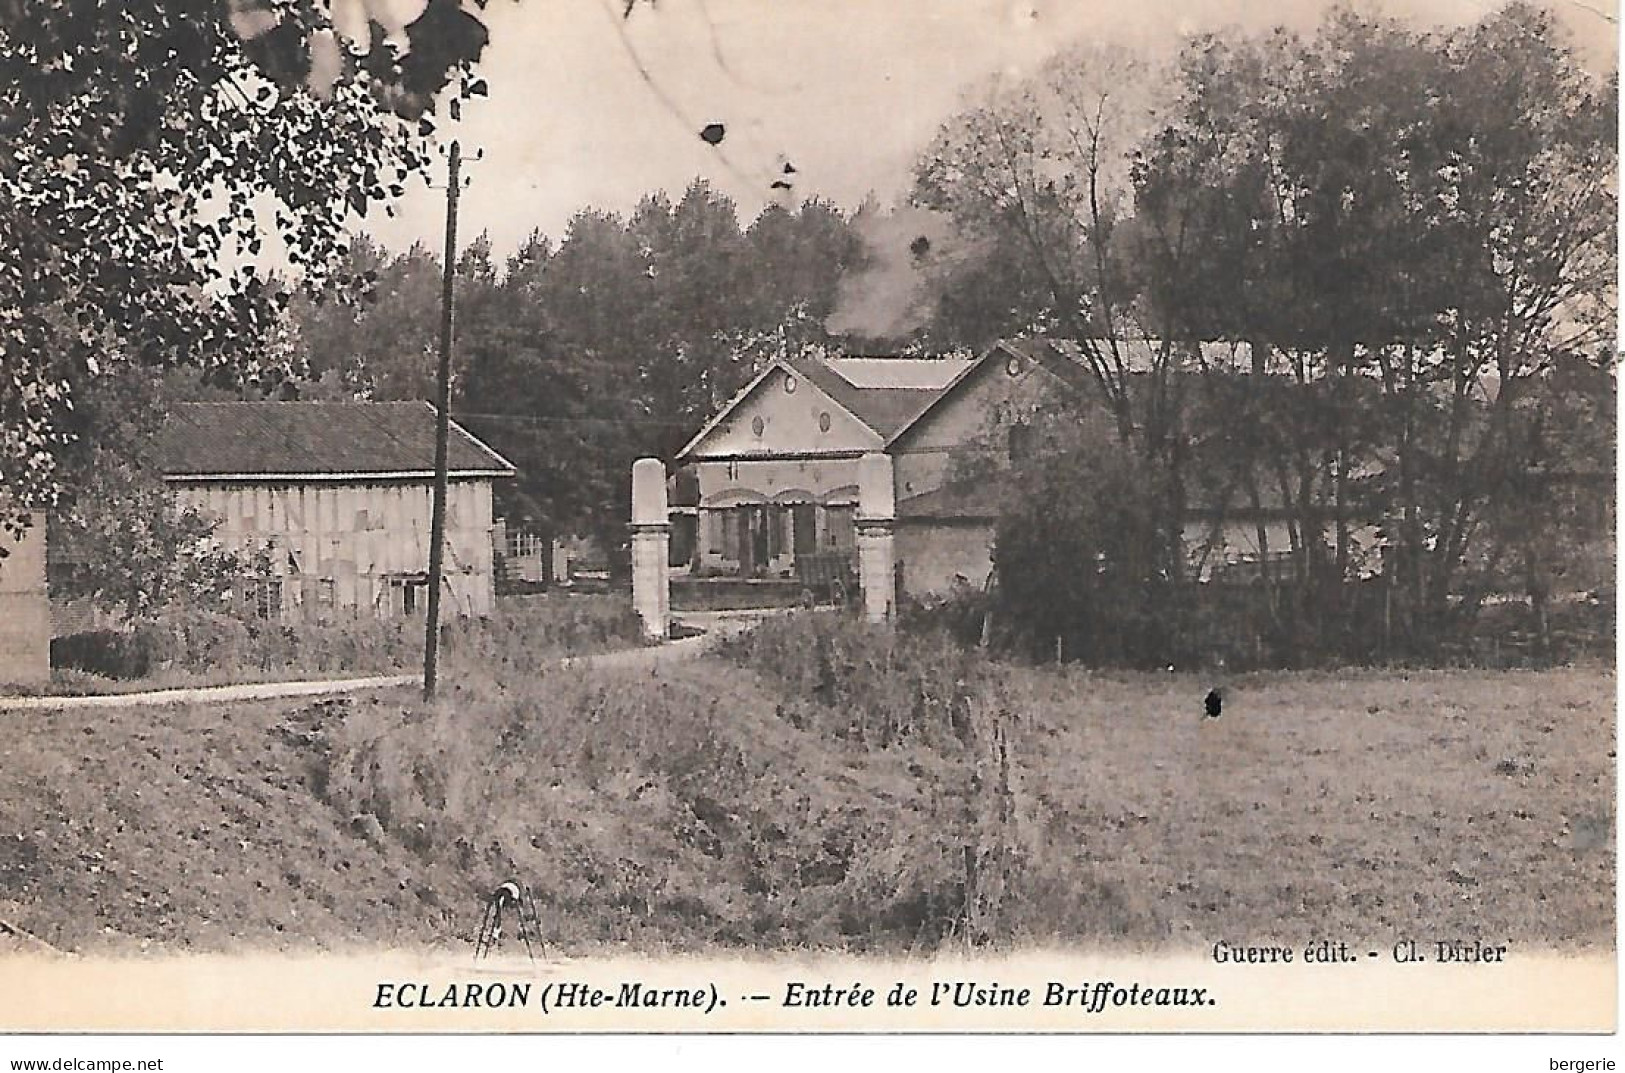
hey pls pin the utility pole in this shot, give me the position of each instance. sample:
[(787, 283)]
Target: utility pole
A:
[(442, 434)]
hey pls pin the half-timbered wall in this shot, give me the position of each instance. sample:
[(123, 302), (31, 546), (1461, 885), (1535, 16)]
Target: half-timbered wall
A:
[(353, 547)]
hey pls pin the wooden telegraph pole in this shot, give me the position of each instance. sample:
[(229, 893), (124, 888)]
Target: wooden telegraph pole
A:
[(442, 434)]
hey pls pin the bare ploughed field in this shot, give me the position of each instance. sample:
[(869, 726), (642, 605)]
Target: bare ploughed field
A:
[(719, 804)]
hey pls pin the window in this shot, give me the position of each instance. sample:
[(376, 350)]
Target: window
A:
[(522, 545), (839, 531), (1020, 441), (408, 594), (262, 598), (730, 532), (326, 592)]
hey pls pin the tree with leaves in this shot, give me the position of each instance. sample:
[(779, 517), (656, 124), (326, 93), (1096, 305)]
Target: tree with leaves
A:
[(556, 404), (623, 339), (1081, 551), (1037, 177), (123, 543), (147, 149), (381, 345), (1399, 236), (1040, 170), (1549, 517), (1429, 214)]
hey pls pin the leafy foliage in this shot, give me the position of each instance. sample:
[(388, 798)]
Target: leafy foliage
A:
[(1081, 552), (1039, 173), (122, 542), (380, 345), (578, 356), (1415, 230), (148, 149), (126, 546), (1432, 214), (196, 644), (869, 685)]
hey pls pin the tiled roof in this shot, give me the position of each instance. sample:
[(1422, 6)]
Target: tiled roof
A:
[(959, 501), (892, 394), (1067, 359), (306, 440), (921, 374), (884, 409), (1061, 357)]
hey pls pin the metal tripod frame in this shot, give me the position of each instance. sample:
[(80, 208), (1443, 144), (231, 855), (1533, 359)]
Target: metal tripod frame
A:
[(519, 899)]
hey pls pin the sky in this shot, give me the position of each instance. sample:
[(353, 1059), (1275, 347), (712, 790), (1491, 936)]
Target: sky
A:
[(587, 108)]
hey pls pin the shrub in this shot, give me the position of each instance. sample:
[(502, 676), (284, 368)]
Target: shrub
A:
[(672, 810), (125, 544), (191, 641), (555, 623), (1084, 554), (107, 653), (868, 682), (198, 641), (698, 806)]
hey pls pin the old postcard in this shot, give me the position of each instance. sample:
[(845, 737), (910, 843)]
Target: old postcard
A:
[(718, 516)]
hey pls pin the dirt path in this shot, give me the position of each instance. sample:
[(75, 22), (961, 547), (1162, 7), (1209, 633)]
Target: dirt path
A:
[(717, 624), (210, 694)]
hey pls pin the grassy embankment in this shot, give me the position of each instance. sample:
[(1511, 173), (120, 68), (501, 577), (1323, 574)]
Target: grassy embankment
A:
[(820, 784)]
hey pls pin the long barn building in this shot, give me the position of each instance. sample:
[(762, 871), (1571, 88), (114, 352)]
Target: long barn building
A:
[(334, 499)]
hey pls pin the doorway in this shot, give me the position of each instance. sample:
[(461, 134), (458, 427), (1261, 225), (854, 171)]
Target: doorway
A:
[(803, 529)]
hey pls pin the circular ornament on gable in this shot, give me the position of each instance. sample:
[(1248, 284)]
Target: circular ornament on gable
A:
[(823, 421), (757, 425), (1013, 366), (789, 384)]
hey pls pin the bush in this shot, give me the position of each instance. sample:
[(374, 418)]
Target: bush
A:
[(106, 653), (191, 642), (196, 641), (565, 623), (1084, 555), (961, 615), (870, 683), (130, 548)]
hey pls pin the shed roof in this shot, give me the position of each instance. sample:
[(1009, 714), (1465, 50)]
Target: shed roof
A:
[(314, 441)]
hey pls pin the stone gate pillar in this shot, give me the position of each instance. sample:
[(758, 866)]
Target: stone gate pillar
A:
[(876, 518), (651, 539)]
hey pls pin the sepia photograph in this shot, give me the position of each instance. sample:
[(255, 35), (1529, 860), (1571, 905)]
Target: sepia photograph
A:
[(771, 517)]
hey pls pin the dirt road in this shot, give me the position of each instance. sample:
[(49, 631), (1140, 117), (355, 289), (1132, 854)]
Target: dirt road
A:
[(716, 624)]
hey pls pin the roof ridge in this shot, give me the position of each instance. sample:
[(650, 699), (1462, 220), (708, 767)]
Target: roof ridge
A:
[(303, 402), (297, 439)]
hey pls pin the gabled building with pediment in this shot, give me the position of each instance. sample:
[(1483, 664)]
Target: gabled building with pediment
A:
[(777, 466)]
